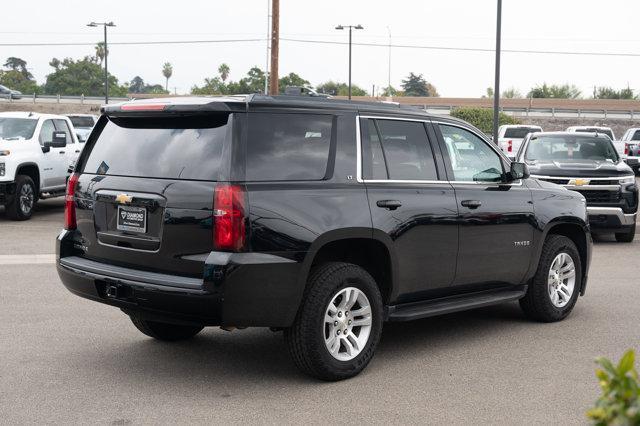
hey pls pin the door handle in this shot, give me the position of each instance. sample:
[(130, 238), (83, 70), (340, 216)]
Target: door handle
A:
[(77, 151), (389, 204), (472, 204), (60, 152)]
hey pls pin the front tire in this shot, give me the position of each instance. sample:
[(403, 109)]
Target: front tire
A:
[(626, 237), (554, 289), (24, 200), (165, 331), (339, 323)]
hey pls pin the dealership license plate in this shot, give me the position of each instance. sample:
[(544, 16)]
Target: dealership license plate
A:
[(632, 161), (132, 219)]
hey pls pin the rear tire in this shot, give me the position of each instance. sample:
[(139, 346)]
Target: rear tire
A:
[(626, 237), (165, 331), (24, 200), (340, 293), (554, 289)]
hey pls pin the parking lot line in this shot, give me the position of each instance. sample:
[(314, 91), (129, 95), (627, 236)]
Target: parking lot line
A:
[(27, 259)]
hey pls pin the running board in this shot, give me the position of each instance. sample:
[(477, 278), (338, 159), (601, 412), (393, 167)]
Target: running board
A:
[(430, 308)]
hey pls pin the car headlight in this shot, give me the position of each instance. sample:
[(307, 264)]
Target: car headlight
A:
[(627, 179), (1, 169)]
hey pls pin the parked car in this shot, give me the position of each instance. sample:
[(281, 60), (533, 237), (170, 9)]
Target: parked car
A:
[(35, 153), (83, 124), (510, 137), (318, 217), (619, 146), (589, 164), (631, 140), (7, 93)]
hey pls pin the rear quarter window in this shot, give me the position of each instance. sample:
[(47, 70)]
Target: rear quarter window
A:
[(284, 147)]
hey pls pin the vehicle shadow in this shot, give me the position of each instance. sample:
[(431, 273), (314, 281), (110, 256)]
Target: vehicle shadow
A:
[(221, 359)]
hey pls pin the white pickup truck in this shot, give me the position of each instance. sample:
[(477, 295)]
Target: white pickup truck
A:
[(631, 140), (36, 151), (510, 137)]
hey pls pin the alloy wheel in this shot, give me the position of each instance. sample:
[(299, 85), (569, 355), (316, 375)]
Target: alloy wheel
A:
[(347, 324), (561, 280)]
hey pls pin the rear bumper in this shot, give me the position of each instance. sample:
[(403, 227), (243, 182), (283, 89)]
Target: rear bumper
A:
[(610, 218), (237, 289), (7, 191)]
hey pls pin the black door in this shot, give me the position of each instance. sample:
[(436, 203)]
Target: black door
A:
[(410, 203), (496, 218)]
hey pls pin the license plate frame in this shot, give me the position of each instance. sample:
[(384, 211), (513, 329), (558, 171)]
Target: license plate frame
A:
[(128, 219)]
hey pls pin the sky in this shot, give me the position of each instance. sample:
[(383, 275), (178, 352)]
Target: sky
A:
[(541, 25)]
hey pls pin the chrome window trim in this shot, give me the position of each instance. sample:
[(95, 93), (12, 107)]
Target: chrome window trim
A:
[(583, 177), (360, 179)]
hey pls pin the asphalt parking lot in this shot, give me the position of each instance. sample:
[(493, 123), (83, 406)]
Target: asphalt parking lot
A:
[(67, 360)]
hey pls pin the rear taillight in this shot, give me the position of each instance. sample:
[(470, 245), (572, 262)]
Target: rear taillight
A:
[(229, 218), (69, 205), (626, 149), (510, 146)]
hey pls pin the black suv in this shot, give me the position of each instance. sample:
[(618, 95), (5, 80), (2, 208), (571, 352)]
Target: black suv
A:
[(322, 218), (589, 164)]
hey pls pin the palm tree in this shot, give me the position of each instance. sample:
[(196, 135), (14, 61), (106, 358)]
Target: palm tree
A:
[(224, 70), (167, 71), (100, 52)]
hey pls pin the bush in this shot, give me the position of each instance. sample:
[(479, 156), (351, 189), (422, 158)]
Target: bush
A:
[(482, 118), (620, 400)]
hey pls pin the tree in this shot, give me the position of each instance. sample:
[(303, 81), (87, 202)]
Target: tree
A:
[(512, 93), (80, 77), (564, 91), (224, 71), (291, 80), (416, 85), (138, 85), (20, 65), (100, 52), (610, 93), (16, 80), (335, 88), (167, 72), (488, 93), (482, 118)]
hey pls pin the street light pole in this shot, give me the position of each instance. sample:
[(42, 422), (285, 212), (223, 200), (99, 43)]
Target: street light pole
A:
[(389, 83), (496, 90), (351, 27), (106, 56)]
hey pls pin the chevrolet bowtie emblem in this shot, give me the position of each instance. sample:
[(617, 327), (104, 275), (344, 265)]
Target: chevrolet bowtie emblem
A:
[(580, 182), (124, 198)]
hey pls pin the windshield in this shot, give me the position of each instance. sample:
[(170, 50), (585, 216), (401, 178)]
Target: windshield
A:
[(79, 121), (519, 132), (17, 128), (569, 147)]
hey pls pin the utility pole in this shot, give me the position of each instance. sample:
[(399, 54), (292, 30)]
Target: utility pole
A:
[(351, 27), (266, 73), (389, 83), (106, 56), (275, 41), (496, 90)]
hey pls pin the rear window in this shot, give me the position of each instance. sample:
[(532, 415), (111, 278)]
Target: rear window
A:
[(636, 136), (595, 130), (188, 148), (288, 146), (79, 121), (519, 132)]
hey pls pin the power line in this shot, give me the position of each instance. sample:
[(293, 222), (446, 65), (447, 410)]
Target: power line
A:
[(342, 43), (465, 49), (135, 43)]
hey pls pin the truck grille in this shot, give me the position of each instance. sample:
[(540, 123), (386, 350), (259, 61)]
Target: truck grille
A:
[(599, 196)]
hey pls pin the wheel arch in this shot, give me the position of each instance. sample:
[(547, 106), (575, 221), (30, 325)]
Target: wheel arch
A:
[(370, 249), (33, 171)]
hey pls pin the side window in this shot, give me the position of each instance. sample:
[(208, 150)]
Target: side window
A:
[(62, 126), (472, 160), (373, 164), (636, 136), (406, 150), (288, 146), (46, 132)]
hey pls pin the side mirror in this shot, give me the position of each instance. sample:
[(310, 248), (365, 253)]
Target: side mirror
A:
[(518, 171), (58, 140)]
